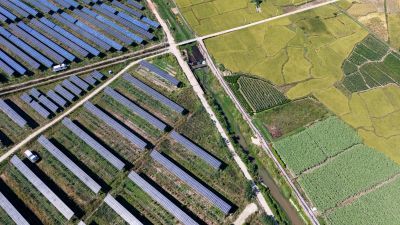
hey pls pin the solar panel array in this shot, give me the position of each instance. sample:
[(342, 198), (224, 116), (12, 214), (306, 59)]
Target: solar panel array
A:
[(7, 14), (11, 211), (25, 7), (10, 112), (44, 100), (49, 5), (153, 93), (118, 164), (79, 82), (193, 183), (135, 109), (90, 80), (100, 36), (39, 6), (69, 164), (35, 106), (161, 199), (127, 9), (97, 75), (6, 69), (134, 21), (56, 98), (42, 188), (14, 8), (152, 23), (136, 4), (159, 72), (12, 63), (65, 93), (71, 87), (121, 210), (116, 126), (22, 55), (3, 18), (215, 163)]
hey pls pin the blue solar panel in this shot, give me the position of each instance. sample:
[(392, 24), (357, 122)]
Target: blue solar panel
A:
[(47, 22), (99, 76), (82, 32), (63, 92), (82, 52), (12, 63), (34, 42), (107, 40), (90, 80), (151, 22), (68, 17), (25, 7), (6, 69), (127, 9), (73, 3), (71, 87), (49, 5), (12, 114), (16, 51), (38, 6), (79, 82), (35, 106), (14, 8), (44, 100), (160, 73), (7, 14), (89, 12), (3, 18), (57, 98), (108, 8), (63, 3), (47, 41), (134, 21), (136, 4)]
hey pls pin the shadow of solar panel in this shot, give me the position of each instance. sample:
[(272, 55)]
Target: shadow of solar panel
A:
[(71, 87), (79, 82), (14, 8), (161, 199), (135, 109), (121, 211), (57, 99), (116, 126), (107, 155), (127, 9), (135, 4), (12, 63), (12, 114), (42, 188), (63, 92), (16, 51), (153, 93), (7, 14), (190, 181), (25, 7), (69, 164), (160, 73), (209, 159), (11, 211)]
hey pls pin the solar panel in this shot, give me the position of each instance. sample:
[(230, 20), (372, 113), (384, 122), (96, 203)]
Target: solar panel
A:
[(79, 82), (90, 80), (7, 14), (190, 181), (82, 52), (12, 63), (97, 75), (50, 5), (34, 42), (56, 98), (6, 69), (42, 188), (16, 51), (159, 72), (63, 4), (153, 93), (35, 106), (121, 210), (3, 18), (127, 9), (47, 41), (151, 22), (161, 199), (68, 17), (135, 109), (82, 32), (73, 3), (108, 8), (215, 163), (25, 7), (44, 100), (89, 12), (10, 112), (134, 21), (63, 92), (14, 8), (71, 87), (116, 126), (136, 4), (107, 155), (69, 164), (39, 6), (11, 211)]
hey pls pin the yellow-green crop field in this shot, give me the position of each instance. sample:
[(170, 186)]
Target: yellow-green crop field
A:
[(394, 30), (304, 53), (208, 16)]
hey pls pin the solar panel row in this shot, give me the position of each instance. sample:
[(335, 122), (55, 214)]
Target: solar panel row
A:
[(190, 181), (50, 5), (108, 8), (79, 82), (72, 3), (25, 7), (136, 4), (121, 210), (11, 211), (211, 160), (47, 42), (71, 87), (63, 92), (6, 69), (68, 17), (42, 188), (12, 63), (12, 114), (112, 159), (97, 75), (82, 52), (44, 100), (39, 6), (127, 9), (57, 99), (134, 21), (63, 3), (14, 8), (116, 126), (152, 23), (135, 109), (153, 93), (20, 54), (159, 72), (35, 106), (90, 80), (7, 14), (69, 164), (161, 199), (37, 44)]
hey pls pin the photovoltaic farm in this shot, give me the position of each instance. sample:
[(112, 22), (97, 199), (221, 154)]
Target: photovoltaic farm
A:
[(37, 35), (142, 151)]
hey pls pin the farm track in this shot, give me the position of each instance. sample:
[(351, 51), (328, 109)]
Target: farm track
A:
[(85, 69)]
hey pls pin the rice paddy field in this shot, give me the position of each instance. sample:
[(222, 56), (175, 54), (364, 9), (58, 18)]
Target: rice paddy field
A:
[(209, 16), (196, 125)]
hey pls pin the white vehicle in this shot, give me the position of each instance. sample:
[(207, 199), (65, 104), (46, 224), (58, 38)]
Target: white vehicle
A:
[(31, 156), (60, 67)]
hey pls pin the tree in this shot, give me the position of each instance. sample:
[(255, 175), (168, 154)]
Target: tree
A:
[(257, 2)]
